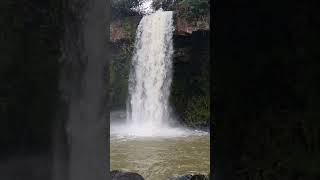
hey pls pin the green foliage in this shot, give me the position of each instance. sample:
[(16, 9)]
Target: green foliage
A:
[(167, 5), (195, 4), (190, 91), (193, 8), (123, 8), (119, 75), (198, 111), (120, 65), (190, 95), (129, 31)]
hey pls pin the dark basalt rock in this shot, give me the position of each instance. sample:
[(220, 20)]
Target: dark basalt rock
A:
[(185, 177), (192, 177), (120, 175), (199, 177)]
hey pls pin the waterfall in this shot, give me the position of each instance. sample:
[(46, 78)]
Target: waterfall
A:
[(151, 74), (148, 110)]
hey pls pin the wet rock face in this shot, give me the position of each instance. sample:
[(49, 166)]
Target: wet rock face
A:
[(183, 26), (125, 28), (120, 175)]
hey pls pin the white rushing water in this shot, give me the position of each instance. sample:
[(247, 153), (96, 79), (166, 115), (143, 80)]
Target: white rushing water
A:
[(148, 110), (150, 78)]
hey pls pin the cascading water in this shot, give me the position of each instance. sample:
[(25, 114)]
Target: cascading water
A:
[(150, 78), (148, 110)]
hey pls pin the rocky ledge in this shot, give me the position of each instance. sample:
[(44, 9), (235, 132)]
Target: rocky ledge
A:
[(121, 175), (125, 28)]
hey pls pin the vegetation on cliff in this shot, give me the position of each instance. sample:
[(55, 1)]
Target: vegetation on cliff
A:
[(191, 9), (122, 52), (119, 74), (123, 8), (190, 92)]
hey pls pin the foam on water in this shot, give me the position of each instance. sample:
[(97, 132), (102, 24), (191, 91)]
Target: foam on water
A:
[(120, 130)]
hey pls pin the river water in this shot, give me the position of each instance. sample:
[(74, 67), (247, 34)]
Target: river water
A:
[(159, 158)]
